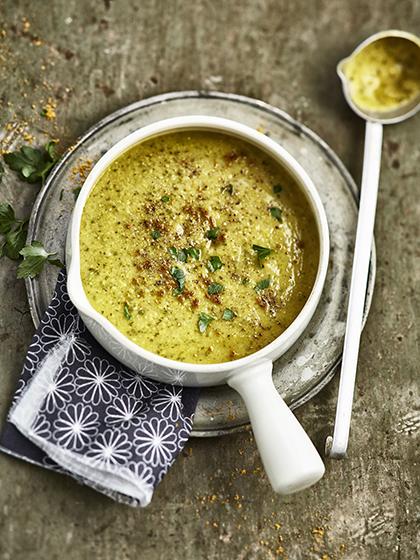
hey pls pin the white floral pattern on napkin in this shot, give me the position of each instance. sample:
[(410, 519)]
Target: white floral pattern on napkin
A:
[(79, 411)]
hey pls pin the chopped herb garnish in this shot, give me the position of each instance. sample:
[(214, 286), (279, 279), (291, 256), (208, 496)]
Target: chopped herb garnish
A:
[(179, 276), (127, 313), (277, 189), (32, 164), (245, 281), (76, 192), (214, 263), (182, 255), (173, 252), (193, 252), (228, 315), (34, 258), (155, 234), (276, 213), (165, 198), (214, 288), (212, 233), (228, 188), (262, 252), (262, 284), (204, 321)]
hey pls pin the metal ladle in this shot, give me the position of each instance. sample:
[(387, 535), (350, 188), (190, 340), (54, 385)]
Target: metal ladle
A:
[(336, 446)]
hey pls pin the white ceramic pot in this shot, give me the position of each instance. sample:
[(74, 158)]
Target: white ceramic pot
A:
[(289, 457)]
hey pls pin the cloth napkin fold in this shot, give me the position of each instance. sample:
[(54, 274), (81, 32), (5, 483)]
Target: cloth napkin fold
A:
[(79, 411)]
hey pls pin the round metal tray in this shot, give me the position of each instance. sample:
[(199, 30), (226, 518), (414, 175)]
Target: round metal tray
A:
[(311, 363)]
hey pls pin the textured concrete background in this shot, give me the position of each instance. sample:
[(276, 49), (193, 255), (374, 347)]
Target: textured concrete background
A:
[(89, 58)]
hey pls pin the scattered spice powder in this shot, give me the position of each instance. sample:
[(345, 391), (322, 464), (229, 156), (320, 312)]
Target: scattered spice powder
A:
[(48, 110)]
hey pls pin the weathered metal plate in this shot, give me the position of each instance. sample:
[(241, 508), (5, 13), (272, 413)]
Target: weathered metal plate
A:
[(311, 363)]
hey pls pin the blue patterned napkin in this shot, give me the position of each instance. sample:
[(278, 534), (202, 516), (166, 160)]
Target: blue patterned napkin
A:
[(79, 411)]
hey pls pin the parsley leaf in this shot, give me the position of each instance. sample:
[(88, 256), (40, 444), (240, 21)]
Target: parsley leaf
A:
[(214, 263), (262, 284), (228, 315), (277, 189), (182, 255), (228, 188), (276, 213), (165, 198), (15, 240), (7, 217), (34, 259), (212, 233), (127, 313), (32, 164), (262, 252), (155, 234), (173, 252), (214, 288), (193, 252), (14, 231), (204, 321), (179, 276)]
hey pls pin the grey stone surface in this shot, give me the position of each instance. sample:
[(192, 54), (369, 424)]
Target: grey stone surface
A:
[(92, 57)]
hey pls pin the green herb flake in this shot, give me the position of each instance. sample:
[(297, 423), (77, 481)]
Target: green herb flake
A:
[(262, 284), (262, 252), (127, 313), (193, 252), (173, 252), (214, 288), (277, 189), (214, 263), (32, 164), (34, 259), (228, 315), (228, 189), (155, 234), (212, 233), (276, 213), (165, 198), (204, 321), (179, 276)]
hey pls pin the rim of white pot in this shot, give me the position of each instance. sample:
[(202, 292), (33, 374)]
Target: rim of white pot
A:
[(74, 282)]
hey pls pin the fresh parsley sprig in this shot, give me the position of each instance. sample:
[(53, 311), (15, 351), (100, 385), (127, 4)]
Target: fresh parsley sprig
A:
[(32, 164), (14, 232), (34, 259)]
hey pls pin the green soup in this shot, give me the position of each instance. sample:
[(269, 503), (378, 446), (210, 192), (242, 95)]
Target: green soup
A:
[(198, 247)]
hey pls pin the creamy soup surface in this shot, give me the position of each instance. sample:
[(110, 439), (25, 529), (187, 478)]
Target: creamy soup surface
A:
[(198, 246)]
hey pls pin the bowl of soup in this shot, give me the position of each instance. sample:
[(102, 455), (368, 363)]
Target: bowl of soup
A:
[(197, 254)]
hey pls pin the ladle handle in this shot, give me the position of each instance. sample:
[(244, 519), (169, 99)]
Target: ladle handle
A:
[(337, 445), (290, 459)]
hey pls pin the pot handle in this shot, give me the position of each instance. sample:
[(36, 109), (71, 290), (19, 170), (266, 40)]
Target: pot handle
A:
[(289, 457)]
